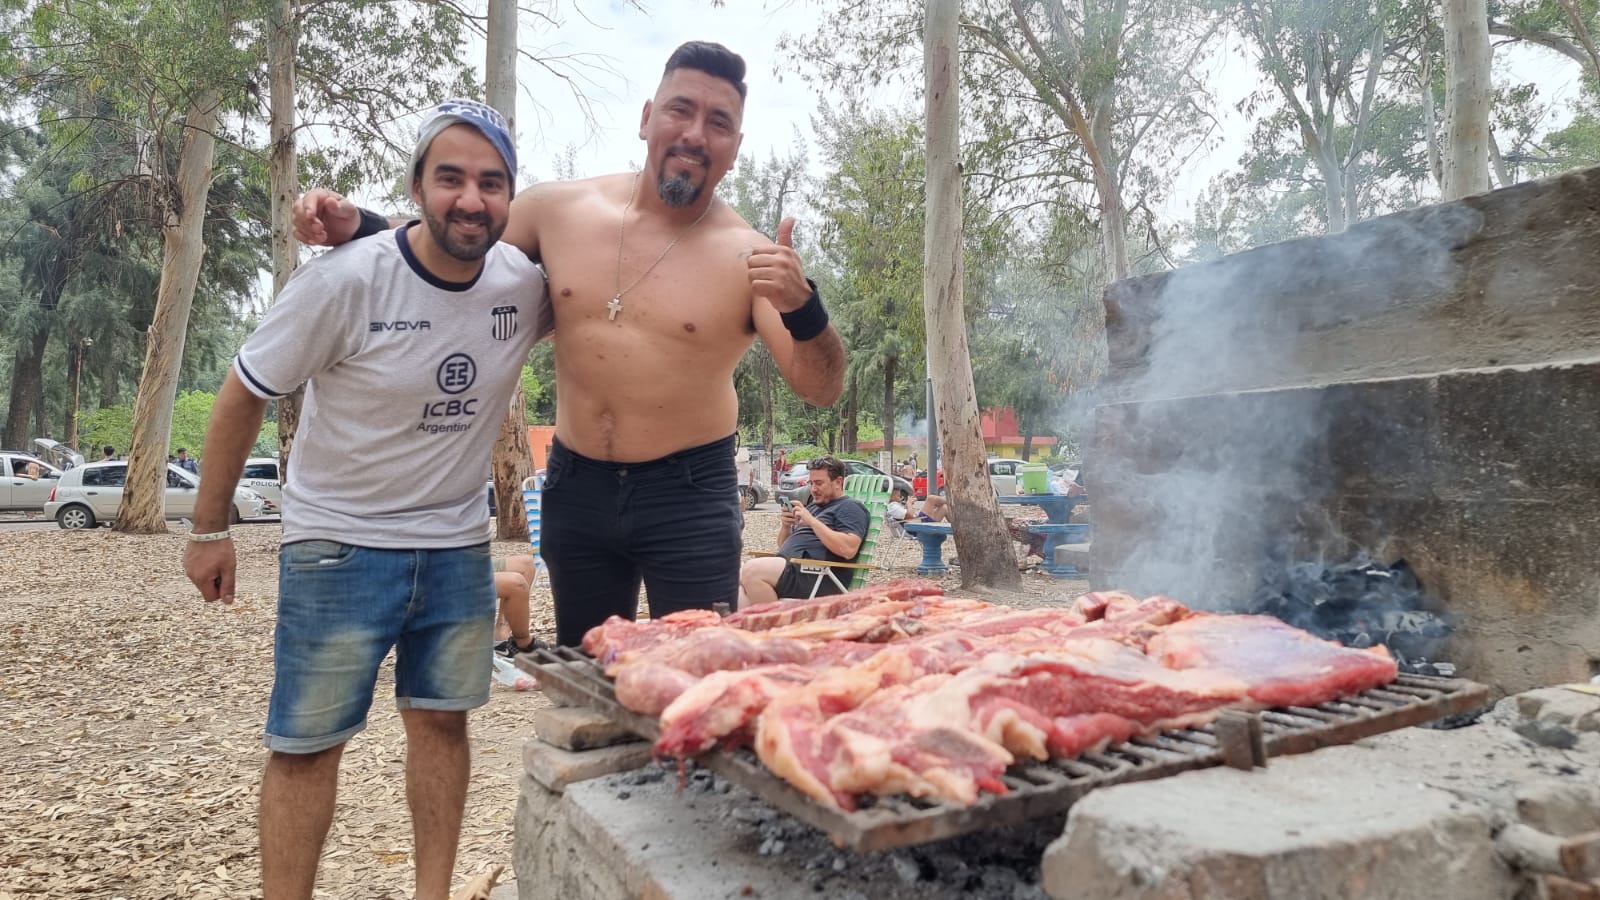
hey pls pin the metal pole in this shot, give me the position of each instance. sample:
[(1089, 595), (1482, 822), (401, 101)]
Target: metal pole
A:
[(77, 384)]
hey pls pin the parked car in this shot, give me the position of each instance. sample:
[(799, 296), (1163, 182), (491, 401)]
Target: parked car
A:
[(90, 494), (851, 467), (1003, 474), (19, 492), (791, 479), (262, 476), (753, 493), (58, 454), (919, 484)]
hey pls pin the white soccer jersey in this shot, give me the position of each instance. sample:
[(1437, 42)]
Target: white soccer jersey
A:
[(407, 380)]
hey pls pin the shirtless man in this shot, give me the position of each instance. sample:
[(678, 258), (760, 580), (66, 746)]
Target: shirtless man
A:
[(657, 288)]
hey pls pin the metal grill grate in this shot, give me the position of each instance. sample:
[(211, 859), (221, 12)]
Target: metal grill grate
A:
[(1042, 788)]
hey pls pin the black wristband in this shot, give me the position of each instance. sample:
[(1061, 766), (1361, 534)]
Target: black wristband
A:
[(809, 320), (371, 224)]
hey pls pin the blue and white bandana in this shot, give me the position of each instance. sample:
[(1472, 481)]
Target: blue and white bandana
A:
[(483, 117)]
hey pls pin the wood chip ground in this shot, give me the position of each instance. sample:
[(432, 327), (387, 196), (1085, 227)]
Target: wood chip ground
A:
[(130, 725)]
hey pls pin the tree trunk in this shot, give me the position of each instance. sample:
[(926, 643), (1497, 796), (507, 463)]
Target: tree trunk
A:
[(513, 460), (1467, 87), (110, 380), (1497, 162), (25, 387), (888, 405), (1430, 125), (769, 402), (848, 432), (182, 249), (980, 533), (69, 427), (41, 417), (1107, 184), (283, 37), (1333, 189)]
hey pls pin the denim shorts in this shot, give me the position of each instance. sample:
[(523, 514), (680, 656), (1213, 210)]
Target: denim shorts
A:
[(340, 609)]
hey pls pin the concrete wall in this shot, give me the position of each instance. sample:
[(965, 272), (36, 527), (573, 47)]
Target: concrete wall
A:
[(1425, 386), (1504, 278)]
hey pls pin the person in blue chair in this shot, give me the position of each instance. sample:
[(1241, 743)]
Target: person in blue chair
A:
[(513, 581), (831, 528)]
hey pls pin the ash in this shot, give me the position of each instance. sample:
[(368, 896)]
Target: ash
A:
[(998, 864), (1359, 604)]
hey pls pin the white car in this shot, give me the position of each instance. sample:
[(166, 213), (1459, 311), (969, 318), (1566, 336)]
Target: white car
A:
[(261, 475), (18, 491), (90, 494), (1005, 474)]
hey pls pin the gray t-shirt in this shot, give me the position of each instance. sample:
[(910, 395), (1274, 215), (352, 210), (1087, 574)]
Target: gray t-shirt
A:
[(407, 380), (846, 514)]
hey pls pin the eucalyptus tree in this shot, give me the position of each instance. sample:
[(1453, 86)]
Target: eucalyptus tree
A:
[(1092, 99), (1566, 27), (980, 531), (1467, 93)]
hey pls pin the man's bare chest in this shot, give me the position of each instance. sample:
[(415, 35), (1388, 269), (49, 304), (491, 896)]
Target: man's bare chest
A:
[(694, 289)]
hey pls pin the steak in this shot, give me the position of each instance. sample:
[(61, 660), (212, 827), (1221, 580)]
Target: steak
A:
[(647, 681), (1282, 665), (779, 613), (616, 635)]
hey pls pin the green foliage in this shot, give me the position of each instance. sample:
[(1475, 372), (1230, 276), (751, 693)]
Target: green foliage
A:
[(532, 395), (190, 413), (267, 441), (541, 366), (110, 425)]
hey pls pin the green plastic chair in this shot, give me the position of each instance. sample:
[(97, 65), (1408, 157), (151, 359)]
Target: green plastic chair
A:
[(873, 492)]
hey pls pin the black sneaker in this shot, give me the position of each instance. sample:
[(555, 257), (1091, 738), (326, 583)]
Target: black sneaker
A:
[(509, 649)]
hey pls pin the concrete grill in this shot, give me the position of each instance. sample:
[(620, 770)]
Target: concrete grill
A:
[(1037, 789)]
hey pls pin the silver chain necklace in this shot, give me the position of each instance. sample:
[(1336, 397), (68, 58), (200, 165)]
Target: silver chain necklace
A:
[(614, 305)]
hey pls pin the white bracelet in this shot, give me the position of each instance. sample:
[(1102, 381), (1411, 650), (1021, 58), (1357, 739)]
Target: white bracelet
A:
[(208, 538)]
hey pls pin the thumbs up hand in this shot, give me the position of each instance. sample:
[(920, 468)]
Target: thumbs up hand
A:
[(776, 274)]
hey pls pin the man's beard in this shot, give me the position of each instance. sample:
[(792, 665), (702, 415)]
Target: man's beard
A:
[(679, 190), (467, 250)]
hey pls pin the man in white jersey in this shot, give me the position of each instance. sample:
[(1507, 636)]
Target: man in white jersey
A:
[(657, 289), (410, 345)]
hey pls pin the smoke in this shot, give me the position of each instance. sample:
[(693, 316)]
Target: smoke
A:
[(1214, 454)]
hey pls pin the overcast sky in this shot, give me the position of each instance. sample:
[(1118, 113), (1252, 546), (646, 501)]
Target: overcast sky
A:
[(622, 52)]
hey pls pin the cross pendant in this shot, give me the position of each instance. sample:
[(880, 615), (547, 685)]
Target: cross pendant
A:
[(615, 306)]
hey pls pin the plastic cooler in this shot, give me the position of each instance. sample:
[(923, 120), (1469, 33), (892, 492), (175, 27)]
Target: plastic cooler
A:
[(1035, 478)]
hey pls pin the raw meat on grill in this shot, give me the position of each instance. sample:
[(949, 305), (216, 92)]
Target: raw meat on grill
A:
[(1007, 705), (648, 687), (720, 707), (647, 681), (616, 635), (1283, 665), (898, 689), (788, 612)]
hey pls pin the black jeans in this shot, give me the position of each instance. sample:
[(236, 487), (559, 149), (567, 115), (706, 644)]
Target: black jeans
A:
[(673, 523)]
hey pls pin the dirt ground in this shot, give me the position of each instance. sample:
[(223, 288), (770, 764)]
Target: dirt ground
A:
[(130, 729)]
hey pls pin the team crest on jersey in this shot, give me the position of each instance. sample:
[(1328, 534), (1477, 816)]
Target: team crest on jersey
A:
[(505, 322)]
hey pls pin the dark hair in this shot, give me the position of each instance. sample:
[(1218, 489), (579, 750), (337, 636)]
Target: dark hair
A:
[(834, 468), (183, 450), (713, 59), (108, 450)]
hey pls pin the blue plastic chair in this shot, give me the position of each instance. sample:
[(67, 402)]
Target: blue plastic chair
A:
[(532, 490)]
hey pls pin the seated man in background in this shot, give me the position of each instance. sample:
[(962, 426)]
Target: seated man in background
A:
[(831, 528), (513, 582)]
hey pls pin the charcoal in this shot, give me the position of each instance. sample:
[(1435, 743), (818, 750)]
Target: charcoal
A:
[(1359, 603), (905, 868)]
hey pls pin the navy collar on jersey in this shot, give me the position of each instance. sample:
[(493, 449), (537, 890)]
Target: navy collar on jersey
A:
[(421, 270)]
